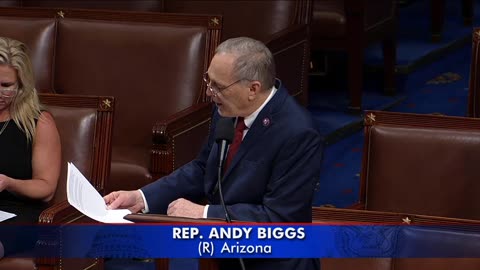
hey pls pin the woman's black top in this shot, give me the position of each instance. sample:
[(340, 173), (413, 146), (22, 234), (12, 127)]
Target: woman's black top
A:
[(16, 162)]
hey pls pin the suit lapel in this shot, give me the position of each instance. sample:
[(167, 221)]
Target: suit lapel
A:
[(265, 119)]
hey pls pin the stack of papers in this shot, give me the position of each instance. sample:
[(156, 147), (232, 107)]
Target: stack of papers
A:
[(86, 199)]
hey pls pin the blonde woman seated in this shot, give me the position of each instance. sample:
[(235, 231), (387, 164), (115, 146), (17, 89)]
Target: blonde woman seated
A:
[(30, 152)]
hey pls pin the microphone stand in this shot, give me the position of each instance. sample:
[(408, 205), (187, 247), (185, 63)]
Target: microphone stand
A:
[(223, 150), (220, 192)]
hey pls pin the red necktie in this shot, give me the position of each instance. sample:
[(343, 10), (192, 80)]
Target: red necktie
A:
[(237, 140)]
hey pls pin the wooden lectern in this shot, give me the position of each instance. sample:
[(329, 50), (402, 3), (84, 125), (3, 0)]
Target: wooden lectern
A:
[(156, 218)]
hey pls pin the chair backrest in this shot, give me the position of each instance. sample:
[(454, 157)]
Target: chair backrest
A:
[(39, 35), (276, 23), (10, 3), (474, 96), (85, 126), (137, 5), (271, 16), (423, 164), (151, 78)]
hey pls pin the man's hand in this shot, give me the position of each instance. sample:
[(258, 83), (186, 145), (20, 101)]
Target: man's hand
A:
[(185, 208), (125, 199)]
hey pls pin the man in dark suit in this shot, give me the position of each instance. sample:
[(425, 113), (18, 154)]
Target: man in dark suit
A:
[(272, 176)]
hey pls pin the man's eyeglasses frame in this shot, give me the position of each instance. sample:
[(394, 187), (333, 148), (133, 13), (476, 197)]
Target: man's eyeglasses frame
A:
[(215, 89)]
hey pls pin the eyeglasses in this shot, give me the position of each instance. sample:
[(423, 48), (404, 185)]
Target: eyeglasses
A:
[(214, 89), (9, 91)]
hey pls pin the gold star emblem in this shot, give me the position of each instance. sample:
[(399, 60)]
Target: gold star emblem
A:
[(106, 103), (215, 21), (406, 220), (61, 14), (371, 117)]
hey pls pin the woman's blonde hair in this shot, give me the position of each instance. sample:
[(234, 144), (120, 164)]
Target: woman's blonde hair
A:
[(25, 107)]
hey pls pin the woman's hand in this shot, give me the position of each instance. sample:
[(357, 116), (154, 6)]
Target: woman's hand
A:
[(4, 182)]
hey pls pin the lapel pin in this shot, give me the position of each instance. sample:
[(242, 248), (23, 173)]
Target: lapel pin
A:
[(266, 122)]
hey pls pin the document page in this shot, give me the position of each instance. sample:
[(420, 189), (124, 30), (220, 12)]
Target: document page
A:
[(83, 196), (6, 215)]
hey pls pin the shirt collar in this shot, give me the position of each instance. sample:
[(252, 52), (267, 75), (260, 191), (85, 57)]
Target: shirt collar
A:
[(249, 119)]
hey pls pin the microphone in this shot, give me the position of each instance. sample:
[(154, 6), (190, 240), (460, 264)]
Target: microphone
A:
[(224, 132)]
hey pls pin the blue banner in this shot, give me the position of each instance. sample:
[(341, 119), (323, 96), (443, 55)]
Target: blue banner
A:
[(252, 241)]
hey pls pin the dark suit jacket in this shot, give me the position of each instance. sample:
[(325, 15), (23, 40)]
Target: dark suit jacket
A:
[(271, 178)]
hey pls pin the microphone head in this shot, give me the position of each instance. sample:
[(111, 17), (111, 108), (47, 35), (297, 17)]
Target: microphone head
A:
[(224, 130)]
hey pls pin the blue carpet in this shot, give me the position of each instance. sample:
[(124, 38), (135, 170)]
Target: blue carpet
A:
[(332, 123), (413, 33), (440, 87), (340, 175), (328, 103)]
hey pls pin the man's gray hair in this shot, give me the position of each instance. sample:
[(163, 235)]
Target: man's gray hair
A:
[(254, 60)]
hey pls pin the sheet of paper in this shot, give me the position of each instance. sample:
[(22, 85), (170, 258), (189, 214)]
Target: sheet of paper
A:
[(6, 215), (83, 196)]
